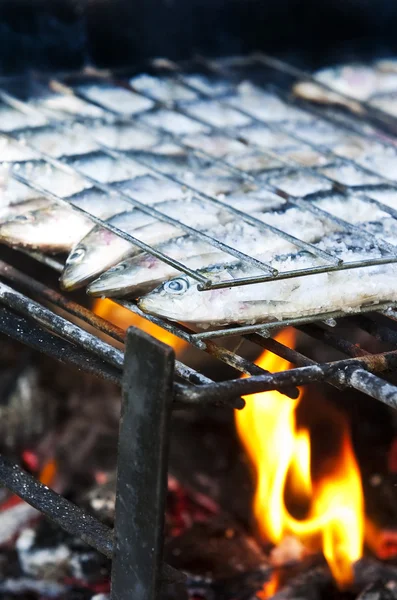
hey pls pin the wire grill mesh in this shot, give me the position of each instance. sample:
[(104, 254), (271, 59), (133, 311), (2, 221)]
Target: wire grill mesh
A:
[(133, 108)]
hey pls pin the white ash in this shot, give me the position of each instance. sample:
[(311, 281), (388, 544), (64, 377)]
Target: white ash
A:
[(24, 585), (41, 563), (14, 519)]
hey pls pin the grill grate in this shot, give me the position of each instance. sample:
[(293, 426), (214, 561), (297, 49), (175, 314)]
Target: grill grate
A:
[(286, 164), (31, 311)]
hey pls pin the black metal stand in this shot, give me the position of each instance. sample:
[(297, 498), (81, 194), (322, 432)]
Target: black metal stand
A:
[(142, 468)]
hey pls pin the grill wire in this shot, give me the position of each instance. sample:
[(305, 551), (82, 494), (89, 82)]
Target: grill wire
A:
[(51, 323), (108, 360)]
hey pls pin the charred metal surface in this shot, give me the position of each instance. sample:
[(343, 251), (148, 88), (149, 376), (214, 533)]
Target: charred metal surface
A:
[(300, 376), (64, 513), (142, 467), (57, 324), (333, 340), (41, 291), (26, 331), (366, 382)]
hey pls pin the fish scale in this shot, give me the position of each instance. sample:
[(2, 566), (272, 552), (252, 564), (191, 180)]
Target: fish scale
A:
[(180, 300)]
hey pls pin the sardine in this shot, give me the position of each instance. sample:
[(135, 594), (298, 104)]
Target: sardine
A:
[(180, 300), (56, 228), (50, 229), (142, 273), (14, 210), (101, 248), (347, 83)]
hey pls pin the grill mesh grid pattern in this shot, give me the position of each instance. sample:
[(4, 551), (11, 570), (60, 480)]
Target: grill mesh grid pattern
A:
[(267, 179), (89, 116)]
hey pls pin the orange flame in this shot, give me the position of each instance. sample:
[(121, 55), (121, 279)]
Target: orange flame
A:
[(281, 455), (124, 318)]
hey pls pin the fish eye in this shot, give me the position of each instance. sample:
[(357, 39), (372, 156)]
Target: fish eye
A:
[(176, 286), (118, 268), (24, 218), (76, 256)]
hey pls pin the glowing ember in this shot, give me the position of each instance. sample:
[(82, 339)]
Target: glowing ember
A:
[(124, 318), (281, 455)]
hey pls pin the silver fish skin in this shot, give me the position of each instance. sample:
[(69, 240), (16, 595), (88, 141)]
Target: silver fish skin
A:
[(50, 229), (140, 274), (54, 227), (179, 299), (101, 248), (57, 228), (10, 212)]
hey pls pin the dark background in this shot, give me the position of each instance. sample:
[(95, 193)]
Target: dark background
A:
[(58, 34)]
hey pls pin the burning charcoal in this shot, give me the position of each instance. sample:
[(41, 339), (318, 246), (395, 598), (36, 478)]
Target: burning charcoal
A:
[(367, 571), (310, 585), (26, 588), (219, 549), (100, 500), (381, 526), (241, 587), (52, 554), (379, 590), (14, 518), (26, 409)]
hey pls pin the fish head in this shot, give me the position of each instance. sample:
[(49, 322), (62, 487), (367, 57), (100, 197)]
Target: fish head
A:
[(113, 280), (132, 276), (52, 228), (178, 299), (94, 254)]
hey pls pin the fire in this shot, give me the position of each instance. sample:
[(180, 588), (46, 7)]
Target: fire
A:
[(124, 318), (332, 499)]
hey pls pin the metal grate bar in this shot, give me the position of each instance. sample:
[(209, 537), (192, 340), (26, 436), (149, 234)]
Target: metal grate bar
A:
[(66, 514), (344, 189), (297, 201), (23, 330), (60, 346), (267, 328), (248, 218), (293, 200), (363, 107), (136, 203), (340, 370)]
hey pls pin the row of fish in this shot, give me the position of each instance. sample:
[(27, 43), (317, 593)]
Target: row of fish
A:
[(192, 208)]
